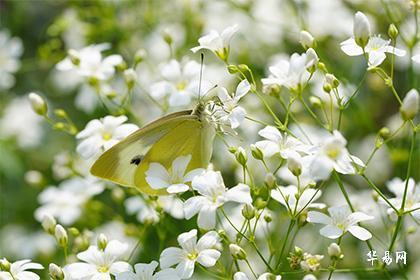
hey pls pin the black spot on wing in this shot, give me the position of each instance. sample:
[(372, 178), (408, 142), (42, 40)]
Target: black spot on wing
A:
[(136, 160)]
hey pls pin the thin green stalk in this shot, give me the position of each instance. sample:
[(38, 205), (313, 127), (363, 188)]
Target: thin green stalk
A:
[(289, 229)]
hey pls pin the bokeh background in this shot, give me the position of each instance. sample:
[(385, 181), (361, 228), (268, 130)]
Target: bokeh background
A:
[(38, 34)]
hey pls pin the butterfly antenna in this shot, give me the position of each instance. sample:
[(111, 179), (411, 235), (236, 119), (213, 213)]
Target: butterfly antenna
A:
[(201, 76)]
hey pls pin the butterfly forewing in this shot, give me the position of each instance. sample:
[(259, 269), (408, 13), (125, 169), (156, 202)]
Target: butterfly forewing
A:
[(120, 163)]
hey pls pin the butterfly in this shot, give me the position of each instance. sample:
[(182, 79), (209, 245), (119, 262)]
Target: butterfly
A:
[(178, 134)]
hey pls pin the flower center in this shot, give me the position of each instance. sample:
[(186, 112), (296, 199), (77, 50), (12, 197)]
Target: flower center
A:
[(103, 269), (181, 85), (341, 226), (106, 136), (192, 256), (333, 153)]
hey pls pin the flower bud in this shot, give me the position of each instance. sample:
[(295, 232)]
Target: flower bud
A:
[(384, 132), (268, 218), (294, 164), (311, 60), (102, 241), (38, 104), (361, 29), (315, 101), (4, 264), (256, 152), (392, 31), (130, 77), (322, 67), (327, 87), (237, 252), (270, 181), (74, 231), (48, 223), (332, 80), (140, 56), (375, 196), (248, 211), (167, 37), (410, 105), (61, 235), (306, 40), (241, 156), (244, 68), (411, 229), (260, 203), (56, 273), (33, 177), (232, 149), (74, 56), (334, 251)]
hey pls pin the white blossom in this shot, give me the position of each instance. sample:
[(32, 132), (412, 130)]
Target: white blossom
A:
[(146, 271), (412, 200), (340, 221), (88, 62), (99, 264), (191, 251), (102, 134), (217, 43), (234, 113), (212, 195), (173, 180), (65, 201), (410, 105), (332, 155), (279, 143), (18, 271), (375, 49), (10, 51)]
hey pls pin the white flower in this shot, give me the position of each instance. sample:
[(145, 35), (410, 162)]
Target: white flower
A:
[(173, 180), (18, 271), (100, 135), (65, 201), (213, 194), (361, 29), (181, 83), (235, 114), (278, 143), (264, 276), (10, 51), (306, 39), (311, 262), (410, 105), (375, 49), (340, 221), (412, 201), (217, 43), (146, 271), (416, 58), (99, 264), (287, 197), (88, 62), (291, 74), (333, 155), (190, 252)]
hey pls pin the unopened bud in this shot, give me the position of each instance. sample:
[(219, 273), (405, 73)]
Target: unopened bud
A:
[(241, 156), (38, 104), (4, 264), (140, 56), (410, 105), (411, 229), (248, 211), (334, 251), (61, 235), (361, 29), (311, 60), (384, 132), (48, 223), (306, 40), (322, 67), (260, 203), (130, 77), (232, 69), (102, 241), (56, 273), (327, 87), (375, 196), (392, 31), (167, 37), (74, 57), (270, 181), (74, 231), (33, 177), (256, 152), (332, 80), (315, 101), (232, 149), (237, 252), (294, 164), (268, 218), (244, 68)]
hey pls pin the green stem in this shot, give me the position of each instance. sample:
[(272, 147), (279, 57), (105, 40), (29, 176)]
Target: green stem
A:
[(289, 229)]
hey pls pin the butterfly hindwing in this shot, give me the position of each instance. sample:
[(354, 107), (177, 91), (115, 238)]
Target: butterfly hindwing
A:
[(192, 137), (120, 163)]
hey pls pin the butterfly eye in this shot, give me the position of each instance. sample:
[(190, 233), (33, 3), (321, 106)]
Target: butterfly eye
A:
[(136, 160)]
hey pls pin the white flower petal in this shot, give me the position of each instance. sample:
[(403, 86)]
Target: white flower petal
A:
[(239, 193), (331, 231), (318, 217), (360, 233), (208, 257)]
